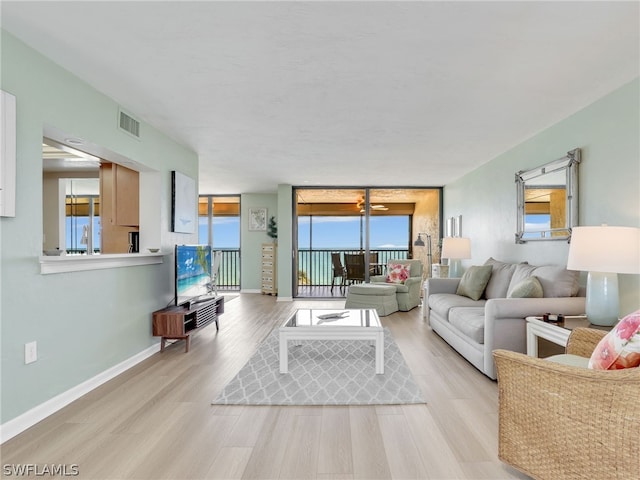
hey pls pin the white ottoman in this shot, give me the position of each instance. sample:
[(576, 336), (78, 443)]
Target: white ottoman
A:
[(366, 295)]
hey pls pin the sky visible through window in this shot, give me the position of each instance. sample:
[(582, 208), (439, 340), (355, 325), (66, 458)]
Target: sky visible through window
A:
[(226, 232), (328, 232), (344, 232), (74, 229)]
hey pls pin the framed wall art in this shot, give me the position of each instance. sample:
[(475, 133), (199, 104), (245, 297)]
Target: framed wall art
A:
[(257, 219), (184, 205)]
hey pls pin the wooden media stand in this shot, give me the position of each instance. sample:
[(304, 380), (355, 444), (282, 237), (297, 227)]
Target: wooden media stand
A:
[(179, 322)]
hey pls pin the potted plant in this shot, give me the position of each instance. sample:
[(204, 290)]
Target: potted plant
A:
[(272, 228)]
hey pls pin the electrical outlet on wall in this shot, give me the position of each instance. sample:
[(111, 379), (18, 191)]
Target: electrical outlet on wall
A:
[(30, 352)]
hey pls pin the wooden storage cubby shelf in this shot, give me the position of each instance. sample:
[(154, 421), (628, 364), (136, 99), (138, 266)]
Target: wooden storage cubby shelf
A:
[(179, 322), (269, 251)]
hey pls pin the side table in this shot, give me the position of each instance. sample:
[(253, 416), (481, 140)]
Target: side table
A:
[(556, 332), (439, 271)]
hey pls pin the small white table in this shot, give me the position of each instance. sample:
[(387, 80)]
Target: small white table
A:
[(557, 333), (353, 324), (439, 271)]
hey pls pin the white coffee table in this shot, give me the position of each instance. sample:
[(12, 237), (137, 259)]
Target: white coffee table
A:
[(321, 324)]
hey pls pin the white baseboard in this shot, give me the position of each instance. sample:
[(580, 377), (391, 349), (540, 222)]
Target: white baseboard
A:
[(284, 299), (29, 418), (250, 290)]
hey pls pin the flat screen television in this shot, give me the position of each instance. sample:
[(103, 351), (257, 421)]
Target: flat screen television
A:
[(193, 273)]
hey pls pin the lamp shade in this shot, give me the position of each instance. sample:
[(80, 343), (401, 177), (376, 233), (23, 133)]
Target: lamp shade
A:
[(604, 252), (456, 247), (605, 249)]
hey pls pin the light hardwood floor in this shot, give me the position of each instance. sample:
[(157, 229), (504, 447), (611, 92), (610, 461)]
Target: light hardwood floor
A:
[(156, 421)]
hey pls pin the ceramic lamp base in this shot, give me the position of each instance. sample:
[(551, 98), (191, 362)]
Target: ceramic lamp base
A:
[(455, 268), (602, 306)]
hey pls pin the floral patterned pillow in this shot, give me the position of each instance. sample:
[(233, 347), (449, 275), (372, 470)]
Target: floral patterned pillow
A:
[(620, 348), (397, 272)]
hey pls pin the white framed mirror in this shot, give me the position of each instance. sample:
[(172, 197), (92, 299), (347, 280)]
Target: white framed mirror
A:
[(547, 198)]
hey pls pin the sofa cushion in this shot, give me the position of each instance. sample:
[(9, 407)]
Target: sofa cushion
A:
[(620, 348), (501, 274), (441, 303), (378, 289), (474, 281), (470, 322), (556, 281), (528, 288), (569, 359)]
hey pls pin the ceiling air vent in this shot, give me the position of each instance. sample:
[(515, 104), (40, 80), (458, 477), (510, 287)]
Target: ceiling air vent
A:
[(129, 124)]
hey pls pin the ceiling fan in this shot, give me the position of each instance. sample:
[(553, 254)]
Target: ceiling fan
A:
[(378, 207)]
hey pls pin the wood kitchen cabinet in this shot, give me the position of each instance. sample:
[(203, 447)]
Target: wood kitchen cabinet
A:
[(126, 198), (120, 202)]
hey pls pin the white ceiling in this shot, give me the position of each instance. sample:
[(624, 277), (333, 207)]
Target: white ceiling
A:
[(340, 93)]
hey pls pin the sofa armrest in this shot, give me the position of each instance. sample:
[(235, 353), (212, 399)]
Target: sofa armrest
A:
[(442, 285), (505, 325), (529, 307)]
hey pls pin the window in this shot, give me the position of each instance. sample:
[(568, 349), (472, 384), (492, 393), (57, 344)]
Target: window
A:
[(82, 216), (219, 226), (378, 222)]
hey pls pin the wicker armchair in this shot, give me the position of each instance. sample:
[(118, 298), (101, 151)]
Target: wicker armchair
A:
[(560, 422)]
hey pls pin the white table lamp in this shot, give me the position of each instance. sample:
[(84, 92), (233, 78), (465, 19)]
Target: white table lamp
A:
[(604, 252), (455, 249)]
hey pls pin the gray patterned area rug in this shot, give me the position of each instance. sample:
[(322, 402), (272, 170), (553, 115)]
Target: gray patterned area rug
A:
[(323, 372)]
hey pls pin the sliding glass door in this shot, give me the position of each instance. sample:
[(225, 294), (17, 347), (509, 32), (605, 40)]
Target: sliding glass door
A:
[(377, 224), (327, 222)]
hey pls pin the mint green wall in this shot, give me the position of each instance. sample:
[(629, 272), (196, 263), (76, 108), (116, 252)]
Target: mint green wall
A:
[(84, 322), (609, 184), (278, 205), (251, 242)]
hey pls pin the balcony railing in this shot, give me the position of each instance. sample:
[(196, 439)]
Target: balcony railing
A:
[(315, 268), (229, 273)]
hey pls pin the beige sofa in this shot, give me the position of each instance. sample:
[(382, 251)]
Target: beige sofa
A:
[(477, 327)]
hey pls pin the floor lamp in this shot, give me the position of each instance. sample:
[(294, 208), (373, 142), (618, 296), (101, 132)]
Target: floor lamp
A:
[(455, 249), (420, 243), (604, 252)]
